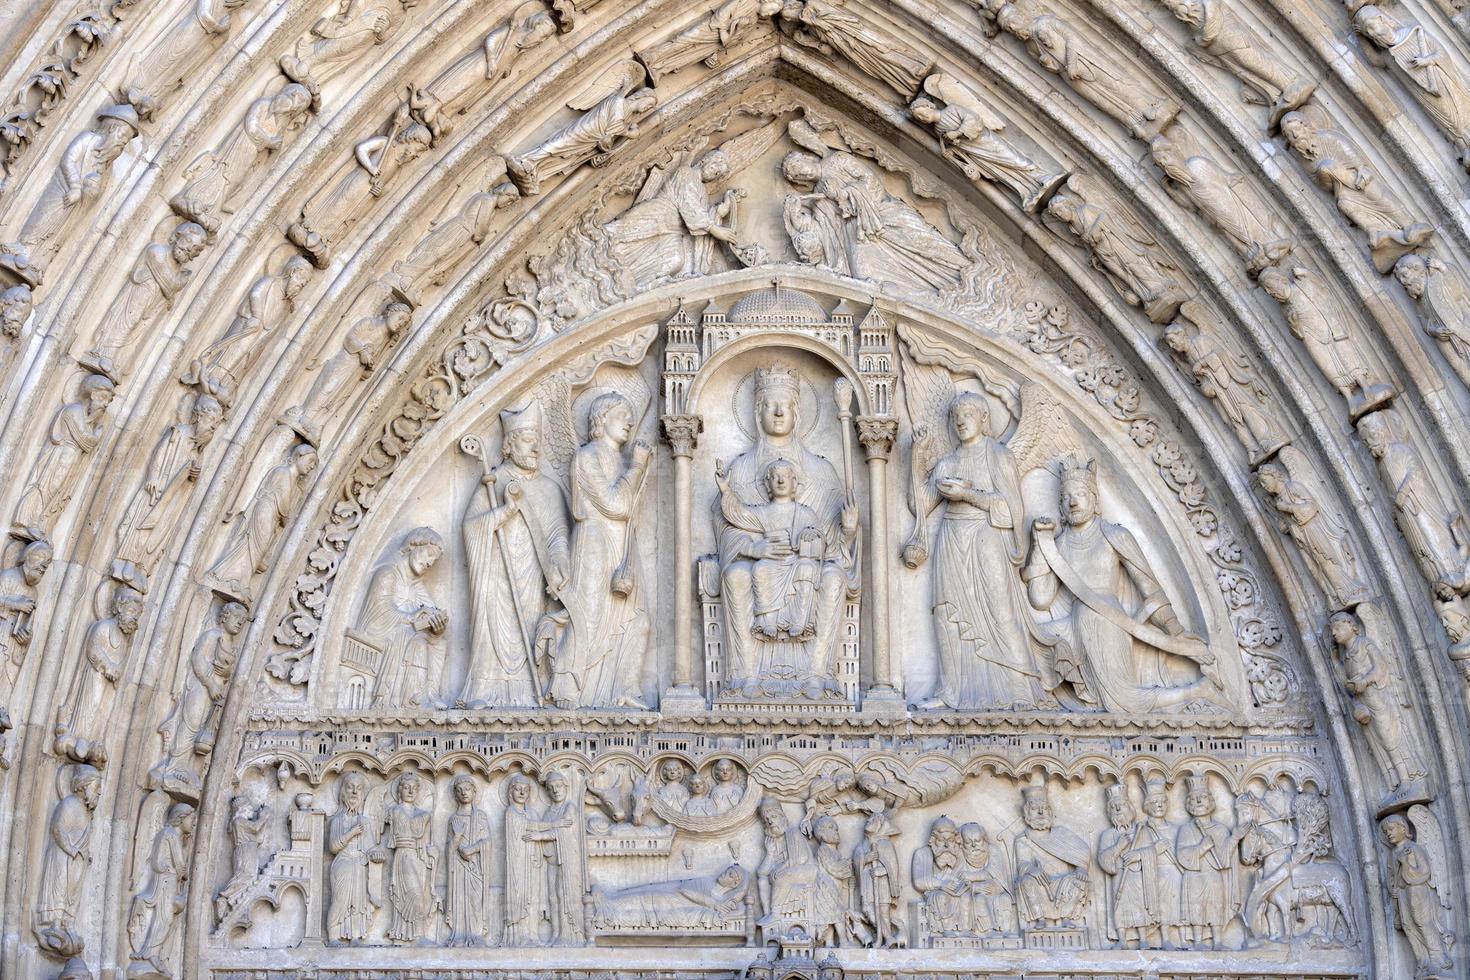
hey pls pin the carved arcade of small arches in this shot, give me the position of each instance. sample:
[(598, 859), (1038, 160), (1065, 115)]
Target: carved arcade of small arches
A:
[(766, 489)]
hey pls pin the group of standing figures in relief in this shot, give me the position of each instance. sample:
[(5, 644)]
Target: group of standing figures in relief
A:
[(1042, 617), (1028, 615), (843, 870), (545, 878), (557, 613)]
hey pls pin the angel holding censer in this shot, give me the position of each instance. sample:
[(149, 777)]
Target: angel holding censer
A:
[(996, 649)]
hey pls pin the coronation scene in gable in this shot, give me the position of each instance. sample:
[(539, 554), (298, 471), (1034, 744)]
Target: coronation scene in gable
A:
[(735, 490)]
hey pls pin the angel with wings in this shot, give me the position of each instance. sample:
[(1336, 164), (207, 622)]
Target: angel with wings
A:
[(970, 136), (610, 109), (597, 640), (1421, 907), (671, 228), (851, 223), (967, 500)]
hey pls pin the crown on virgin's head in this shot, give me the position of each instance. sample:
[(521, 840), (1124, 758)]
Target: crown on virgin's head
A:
[(777, 377)]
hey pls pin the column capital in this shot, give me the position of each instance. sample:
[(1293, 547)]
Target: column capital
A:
[(877, 433), (682, 432)]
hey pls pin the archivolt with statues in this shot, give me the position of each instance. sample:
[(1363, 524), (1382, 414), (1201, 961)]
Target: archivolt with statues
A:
[(776, 488)]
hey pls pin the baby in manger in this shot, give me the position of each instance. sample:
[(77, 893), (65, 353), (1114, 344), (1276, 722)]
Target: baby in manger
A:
[(787, 571)]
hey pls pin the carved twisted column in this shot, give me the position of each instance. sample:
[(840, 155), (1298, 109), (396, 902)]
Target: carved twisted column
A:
[(877, 434), (682, 433)]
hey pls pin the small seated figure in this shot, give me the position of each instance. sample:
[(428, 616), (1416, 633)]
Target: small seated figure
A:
[(785, 580), (684, 903), (991, 909), (939, 881)]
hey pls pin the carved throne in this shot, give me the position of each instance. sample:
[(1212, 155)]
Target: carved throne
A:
[(713, 637), (861, 353)]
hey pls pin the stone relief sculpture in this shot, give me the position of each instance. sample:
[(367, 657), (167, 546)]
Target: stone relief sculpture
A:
[(454, 234), (1225, 40), (988, 881), (691, 904), (1340, 168), (329, 214), (257, 526), (160, 274), (1320, 325), (611, 107), (249, 821), (648, 870), (1112, 90), (468, 900), (1381, 705), (216, 177), (786, 565), (78, 182), (986, 657), (352, 840), (1296, 492), (1414, 881), (30, 560), (849, 222), (1121, 249), (82, 722), (342, 37), (171, 61), (526, 28), (15, 310), (1442, 297), (517, 542), (190, 730), (152, 516), (1432, 80), (830, 27), (596, 643), (566, 859), (154, 912), (65, 861), (970, 135), (361, 348), (880, 882), (1096, 646), (1228, 379), (1434, 530), (1131, 900), (1207, 853), (707, 40), (1207, 187), (76, 430), (530, 890), (399, 623), (409, 856), (220, 367), (671, 229), (1052, 888)]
